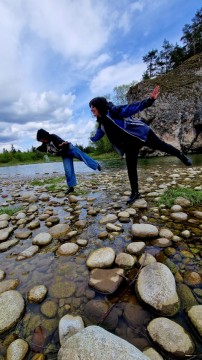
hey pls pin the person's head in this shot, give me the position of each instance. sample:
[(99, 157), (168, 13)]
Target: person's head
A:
[(99, 106), (42, 135)]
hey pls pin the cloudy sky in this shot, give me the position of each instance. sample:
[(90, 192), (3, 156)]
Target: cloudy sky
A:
[(56, 55)]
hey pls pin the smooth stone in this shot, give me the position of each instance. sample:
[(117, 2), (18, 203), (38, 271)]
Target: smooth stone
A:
[(8, 244), (195, 315), (59, 231), (3, 224), (67, 249), (136, 248), (34, 224), (125, 261), (68, 326), (176, 208), (156, 287), (37, 294), (171, 337), (152, 354), (106, 281), (93, 342), (101, 258), (197, 214), (179, 216), (17, 350), (166, 233), (146, 259), (11, 309), (182, 201), (62, 289), (144, 230), (49, 309), (82, 242), (31, 251), (2, 275), (42, 239), (112, 227), (23, 235), (11, 284), (140, 204), (162, 242), (5, 217), (110, 218), (5, 233)]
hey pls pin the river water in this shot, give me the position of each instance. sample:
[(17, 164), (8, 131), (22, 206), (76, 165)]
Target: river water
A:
[(63, 274)]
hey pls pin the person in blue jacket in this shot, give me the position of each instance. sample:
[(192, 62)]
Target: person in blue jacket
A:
[(127, 135), (54, 145)]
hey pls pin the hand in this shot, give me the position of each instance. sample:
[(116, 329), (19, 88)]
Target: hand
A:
[(155, 93), (64, 143)]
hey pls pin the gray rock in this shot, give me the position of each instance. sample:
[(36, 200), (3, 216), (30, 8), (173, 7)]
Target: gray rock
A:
[(8, 244), (94, 342), (195, 315), (42, 239), (109, 218), (144, 230), (101, 258), (17, 350), (11, 308), (156, 287), (68, 326), (171, 337), (31, 251)]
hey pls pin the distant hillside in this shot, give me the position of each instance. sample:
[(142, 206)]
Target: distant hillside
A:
[(179, 106)]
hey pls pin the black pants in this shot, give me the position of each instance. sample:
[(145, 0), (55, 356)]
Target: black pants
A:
[(132, 148)]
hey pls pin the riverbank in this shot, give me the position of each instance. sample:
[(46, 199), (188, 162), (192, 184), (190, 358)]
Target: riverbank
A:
[(52, 241)]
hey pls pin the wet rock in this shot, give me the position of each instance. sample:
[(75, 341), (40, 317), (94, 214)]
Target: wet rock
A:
[(8, 244), (2, 275), (53, 220), (144, 230), (152, 354), (67, 249), (95, 312), (112, 227), (101, 258), (176, 208), (94, 342), (34, 224), (140, 204), (11, 308), (106, 281), (195, 315), (197, 214), (136, 248), (42, 239), (23, 234), (156, 287), (192, 278), (125, 261), (110, 218), (73, 199), (49, 309), (31, 251), (81, 224), (187, 298), (166, 233), (103, 235), (17, 350), (62, 289), (171, 337), (5, 233), (37, 294), (82, 242), (6, 285), (146, 259), (136, 316), (20, 215), (68, 326), (59, 231), (162, 242)]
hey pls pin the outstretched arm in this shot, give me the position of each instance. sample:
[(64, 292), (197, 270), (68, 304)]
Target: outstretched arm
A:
[(155, 93)]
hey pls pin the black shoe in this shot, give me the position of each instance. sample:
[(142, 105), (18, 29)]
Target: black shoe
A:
[(134, 196), (99, 167), (187, 161), (71, 189)]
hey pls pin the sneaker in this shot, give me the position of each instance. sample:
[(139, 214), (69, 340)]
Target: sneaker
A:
[(134, 196), (187, 161), (71, 189), (99, 167)]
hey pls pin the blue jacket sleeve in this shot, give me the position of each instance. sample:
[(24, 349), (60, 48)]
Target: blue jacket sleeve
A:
[(98, 135), (123, 111)]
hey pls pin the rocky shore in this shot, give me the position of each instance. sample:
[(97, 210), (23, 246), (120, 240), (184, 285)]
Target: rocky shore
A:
[(87, 277)]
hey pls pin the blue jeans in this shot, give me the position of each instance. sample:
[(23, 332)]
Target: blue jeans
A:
[(75, 152)]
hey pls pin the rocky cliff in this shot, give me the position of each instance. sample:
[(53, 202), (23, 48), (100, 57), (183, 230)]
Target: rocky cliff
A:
[(177, 114)]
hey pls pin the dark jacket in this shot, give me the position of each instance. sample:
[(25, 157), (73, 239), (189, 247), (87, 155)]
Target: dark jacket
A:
[(120, 127), (52, 146)]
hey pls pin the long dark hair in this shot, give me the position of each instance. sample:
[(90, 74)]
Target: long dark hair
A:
[(101, 105)]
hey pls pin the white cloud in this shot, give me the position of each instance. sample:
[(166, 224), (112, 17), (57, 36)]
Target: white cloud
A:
[(122, 73)]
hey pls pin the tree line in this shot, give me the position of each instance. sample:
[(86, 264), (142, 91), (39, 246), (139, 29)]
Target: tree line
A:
[(170, 56)]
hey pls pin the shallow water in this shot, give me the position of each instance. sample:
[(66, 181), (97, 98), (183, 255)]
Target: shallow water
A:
[(67, 277)]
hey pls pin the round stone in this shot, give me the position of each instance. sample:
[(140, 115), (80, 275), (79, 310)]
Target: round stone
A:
[(11, 308)]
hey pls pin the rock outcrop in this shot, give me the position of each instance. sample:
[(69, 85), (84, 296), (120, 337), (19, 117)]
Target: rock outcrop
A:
[(176, 116)]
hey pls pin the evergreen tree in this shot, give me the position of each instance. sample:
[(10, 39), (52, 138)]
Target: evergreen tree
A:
[(150, 60)]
